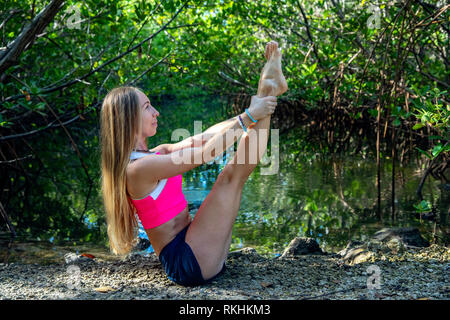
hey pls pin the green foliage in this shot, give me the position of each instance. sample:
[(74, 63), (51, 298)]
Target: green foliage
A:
[(423, 206), (69, 68)]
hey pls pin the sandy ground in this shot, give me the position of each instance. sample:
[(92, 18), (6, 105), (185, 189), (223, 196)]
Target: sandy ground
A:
[(376, 273)]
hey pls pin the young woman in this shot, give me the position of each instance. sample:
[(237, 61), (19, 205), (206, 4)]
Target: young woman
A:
[(148, 182)]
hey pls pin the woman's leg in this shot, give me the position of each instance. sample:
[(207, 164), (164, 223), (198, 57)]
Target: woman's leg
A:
[(209, 234)]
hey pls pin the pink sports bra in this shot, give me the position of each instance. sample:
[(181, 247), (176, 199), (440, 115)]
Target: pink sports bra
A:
[(163, 203)]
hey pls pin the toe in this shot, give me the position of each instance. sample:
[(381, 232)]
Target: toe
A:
[(268, 51), (271, 49), (274, 47)]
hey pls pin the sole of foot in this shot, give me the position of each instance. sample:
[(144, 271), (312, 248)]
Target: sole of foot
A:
[(272, 80)]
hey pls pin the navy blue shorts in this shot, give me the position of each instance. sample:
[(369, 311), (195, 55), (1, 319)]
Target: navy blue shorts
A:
[(179, 262)]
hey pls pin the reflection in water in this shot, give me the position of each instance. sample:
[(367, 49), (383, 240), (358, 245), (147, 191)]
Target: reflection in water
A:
[(331, 200)]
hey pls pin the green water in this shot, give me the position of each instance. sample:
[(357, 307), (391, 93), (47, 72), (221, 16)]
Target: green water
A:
[(330, 199)]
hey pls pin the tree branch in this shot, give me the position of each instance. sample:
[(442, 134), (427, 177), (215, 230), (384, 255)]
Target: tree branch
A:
[(33, 132), (69, 83), (13, 51)]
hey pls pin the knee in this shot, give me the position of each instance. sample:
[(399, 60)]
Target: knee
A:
[(230, 176), (226, 175)]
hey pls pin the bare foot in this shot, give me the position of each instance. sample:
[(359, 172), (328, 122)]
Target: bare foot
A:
[(272, 81)]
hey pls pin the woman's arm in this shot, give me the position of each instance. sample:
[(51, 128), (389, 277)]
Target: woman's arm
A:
[(197, 140), (167, 148), (217, 129), (259, 108), (154, 168), (216, 139), (200, 139), (224, 135)]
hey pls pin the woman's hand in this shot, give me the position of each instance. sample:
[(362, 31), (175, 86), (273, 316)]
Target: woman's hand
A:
[(262, 107)]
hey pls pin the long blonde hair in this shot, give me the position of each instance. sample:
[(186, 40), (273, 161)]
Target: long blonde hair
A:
[(120, 121)]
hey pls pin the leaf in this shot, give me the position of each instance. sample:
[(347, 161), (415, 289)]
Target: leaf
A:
[(87, 255), (311, 206), (424, 206), (424, 203), (437, 150), (373, 112), (40, 106), (424, 152), (418, 126), (425, 117)]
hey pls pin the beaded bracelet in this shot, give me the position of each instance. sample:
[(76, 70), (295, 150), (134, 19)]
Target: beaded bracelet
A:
[(255, 121), (242, 123)]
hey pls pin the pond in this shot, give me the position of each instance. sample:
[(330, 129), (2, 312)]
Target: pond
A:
[(332, 199)]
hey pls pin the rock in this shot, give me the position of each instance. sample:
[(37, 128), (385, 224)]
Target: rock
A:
[(247, 255), (395, 245), (384, 243), (266, 284), (104, 289), (302, 246), (75, 258), (408, 236), (132, 257), (243, 251), (360, 256), (355, 252), (350, 246), (70, 257)]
